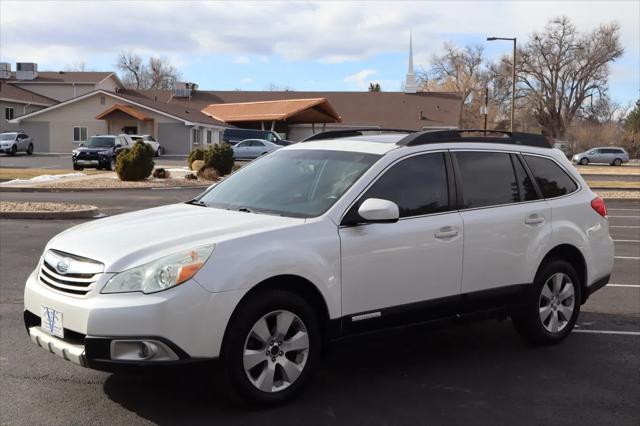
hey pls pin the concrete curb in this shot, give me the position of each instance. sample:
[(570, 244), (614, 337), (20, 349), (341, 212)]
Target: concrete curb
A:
[(73, 214), (48, 189)]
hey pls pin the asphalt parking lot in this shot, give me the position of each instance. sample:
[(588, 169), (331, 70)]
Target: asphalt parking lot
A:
[(480, 373)]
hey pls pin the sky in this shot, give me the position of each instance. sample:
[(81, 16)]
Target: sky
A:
[(298, 45)]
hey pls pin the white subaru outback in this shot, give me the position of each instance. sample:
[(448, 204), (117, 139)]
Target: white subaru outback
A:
[(323, 239)]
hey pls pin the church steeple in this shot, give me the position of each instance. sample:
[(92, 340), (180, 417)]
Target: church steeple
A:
[(410, 85)]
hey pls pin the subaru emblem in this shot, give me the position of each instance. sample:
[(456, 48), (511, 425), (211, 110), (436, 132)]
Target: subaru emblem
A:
[(63, 266)]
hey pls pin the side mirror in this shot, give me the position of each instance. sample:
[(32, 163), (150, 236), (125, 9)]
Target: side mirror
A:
[(379, 211)]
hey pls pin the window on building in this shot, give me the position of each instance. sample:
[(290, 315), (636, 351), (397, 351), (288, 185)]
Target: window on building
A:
[(8, 113), (194, 136), (103, 100), (552, 180), (487, 179), (79, 134), (209, 137)]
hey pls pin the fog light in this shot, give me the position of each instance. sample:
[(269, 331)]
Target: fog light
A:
[(141, 350)]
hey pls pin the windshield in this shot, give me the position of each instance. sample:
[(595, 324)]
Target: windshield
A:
[(294, 183), (7, 136), (137, 138), (99, 142)]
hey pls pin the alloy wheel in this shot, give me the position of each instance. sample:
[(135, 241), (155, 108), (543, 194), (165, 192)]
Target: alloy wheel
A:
[(557, 302), (276, 351)]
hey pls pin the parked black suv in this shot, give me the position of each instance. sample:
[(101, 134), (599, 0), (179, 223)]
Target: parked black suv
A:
[(99, 152), (233, 136)]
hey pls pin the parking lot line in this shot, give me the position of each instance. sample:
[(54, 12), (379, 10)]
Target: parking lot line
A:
[(626, 333), (626, 216), (624, 226), (624, 285), (634, 210), (626, 241), (627, 257)]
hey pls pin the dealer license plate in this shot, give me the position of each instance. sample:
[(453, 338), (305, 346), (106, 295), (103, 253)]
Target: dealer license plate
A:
[(52, 321)]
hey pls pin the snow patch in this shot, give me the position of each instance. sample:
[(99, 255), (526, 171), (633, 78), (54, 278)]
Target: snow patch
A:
[(42, 178)]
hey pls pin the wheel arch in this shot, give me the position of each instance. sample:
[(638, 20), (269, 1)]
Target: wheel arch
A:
[(573, 256), (297, 285)]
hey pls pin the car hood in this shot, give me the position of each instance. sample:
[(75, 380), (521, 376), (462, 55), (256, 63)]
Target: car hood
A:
[(87, 149), (132, 239)]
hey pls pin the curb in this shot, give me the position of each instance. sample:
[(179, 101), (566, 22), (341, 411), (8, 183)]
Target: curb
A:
[(47, 189), (73, 214)]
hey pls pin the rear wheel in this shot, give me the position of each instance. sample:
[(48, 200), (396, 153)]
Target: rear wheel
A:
[(553, 305), (30, 149), (617, 162), (271, 347), (584, 161)]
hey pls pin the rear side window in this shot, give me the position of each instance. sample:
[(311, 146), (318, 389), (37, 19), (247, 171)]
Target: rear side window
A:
[(418, 185), (487, 179), (525, 186), (552, 180)]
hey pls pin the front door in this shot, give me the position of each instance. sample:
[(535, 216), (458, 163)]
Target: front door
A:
[(418, 258), (506, 225)]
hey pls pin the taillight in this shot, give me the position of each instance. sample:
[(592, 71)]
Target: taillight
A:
[(599, 206)]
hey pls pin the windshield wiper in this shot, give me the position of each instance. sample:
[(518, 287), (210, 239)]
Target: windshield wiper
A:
[(195, 202), (244, 210)]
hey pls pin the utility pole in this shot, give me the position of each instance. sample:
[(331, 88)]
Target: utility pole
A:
[(513, 76), (486, 108)]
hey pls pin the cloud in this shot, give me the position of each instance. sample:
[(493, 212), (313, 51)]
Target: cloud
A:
[(360, 79), (247, 80), (241, 60)]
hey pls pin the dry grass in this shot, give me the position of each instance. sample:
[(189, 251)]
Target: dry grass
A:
[(10, 174), (632, 170), (627, 195), (615, 184), (22, 206)]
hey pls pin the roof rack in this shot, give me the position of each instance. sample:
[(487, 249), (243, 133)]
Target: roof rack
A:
[(346, 133), (480, 135)]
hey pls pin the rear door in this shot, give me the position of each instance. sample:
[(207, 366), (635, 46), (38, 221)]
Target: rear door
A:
[(506, 223)]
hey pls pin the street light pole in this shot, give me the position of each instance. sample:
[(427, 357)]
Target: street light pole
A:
[(513, 76)]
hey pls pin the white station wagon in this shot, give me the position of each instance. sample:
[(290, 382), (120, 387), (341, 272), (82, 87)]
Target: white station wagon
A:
[(322, 239)]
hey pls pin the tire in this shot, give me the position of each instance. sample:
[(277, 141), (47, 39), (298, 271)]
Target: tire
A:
[(75, 167), (14, 150), (584, 161), (617, 162), (110, 165), (157, 152), (262, 312), (30, 149), (557, 288)]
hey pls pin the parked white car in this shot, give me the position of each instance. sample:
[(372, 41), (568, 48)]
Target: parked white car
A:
[(13, 142), (149, 140), (323, 239), (253, 148)]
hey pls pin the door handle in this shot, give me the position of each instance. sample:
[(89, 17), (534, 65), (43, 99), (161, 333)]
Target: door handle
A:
[(446, 232), (534, 219)]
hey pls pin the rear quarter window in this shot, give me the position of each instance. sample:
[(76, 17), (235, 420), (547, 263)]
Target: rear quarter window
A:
[(552, 180)]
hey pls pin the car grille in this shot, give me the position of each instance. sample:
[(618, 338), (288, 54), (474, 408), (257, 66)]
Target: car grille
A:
[(68, 273)]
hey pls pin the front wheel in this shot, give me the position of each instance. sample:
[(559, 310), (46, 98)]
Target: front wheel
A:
[(14, 150), (584, 161), (30, 149), (110, 165), (553, 305), (272, 347)]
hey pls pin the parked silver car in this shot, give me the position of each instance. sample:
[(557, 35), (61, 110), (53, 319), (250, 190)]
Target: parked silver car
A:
[(14, 142), (609, 155), (253, 148)]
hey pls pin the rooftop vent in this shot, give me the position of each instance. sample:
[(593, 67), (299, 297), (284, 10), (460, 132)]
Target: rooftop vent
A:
[(26, 71), (5, 70), (183, 89)]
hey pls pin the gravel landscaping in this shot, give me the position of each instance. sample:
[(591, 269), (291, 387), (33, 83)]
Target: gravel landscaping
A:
[(20, 206), (626, 195), (110, 183)]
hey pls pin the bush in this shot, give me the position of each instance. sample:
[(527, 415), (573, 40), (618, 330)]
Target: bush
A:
[(220, 157), (196, 154), (208, 173), (135, 163), (161, 173), (197, 165)]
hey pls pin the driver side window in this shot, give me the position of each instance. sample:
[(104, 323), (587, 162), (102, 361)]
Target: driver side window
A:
[(418, 185)]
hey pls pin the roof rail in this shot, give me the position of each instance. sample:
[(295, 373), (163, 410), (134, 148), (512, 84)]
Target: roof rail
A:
[(479, 135), (346, 133)]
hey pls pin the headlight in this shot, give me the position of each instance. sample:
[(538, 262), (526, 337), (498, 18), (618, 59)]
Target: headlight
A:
[(75, 152), (160, 274)]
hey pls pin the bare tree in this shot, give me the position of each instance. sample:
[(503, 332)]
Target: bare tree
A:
[(560, 67), (158, 73), (459, 70), (76, 66), (273, 87)]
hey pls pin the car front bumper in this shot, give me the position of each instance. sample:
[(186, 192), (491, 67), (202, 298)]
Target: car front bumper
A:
[(178, 325)]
